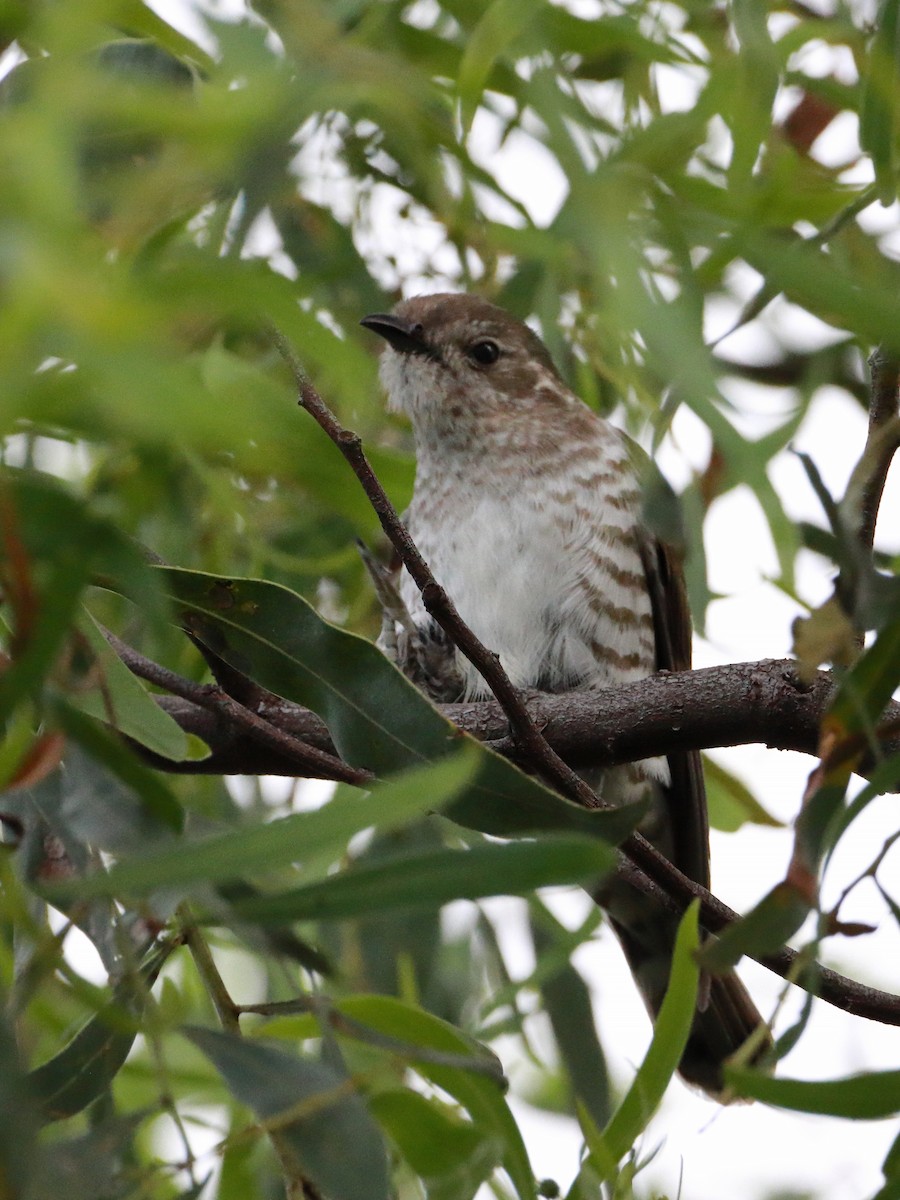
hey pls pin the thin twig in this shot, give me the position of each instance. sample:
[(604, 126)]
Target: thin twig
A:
[(217, 700), (883, 410), (226, 1009)]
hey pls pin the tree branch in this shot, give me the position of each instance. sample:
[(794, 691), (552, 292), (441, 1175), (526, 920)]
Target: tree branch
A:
[(733, 705)]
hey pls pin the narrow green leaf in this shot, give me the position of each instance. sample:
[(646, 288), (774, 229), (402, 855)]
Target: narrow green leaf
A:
[(567, 1002), (670, 1035), (499, 26), (864, 1097), (332, 1138), (299, 837), (120, 699), (767, 926), (436, 877), (416, 1029), (878, 118)]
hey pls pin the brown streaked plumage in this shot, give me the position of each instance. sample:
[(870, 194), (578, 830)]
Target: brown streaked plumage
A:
[(527, 507)]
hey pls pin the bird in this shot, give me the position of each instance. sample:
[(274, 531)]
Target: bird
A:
[(528, 507)]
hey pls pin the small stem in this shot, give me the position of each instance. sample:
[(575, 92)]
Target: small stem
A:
[(226, 1009), (883, 410)]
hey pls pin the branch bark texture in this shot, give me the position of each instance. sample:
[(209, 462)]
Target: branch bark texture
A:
[(732, 705)]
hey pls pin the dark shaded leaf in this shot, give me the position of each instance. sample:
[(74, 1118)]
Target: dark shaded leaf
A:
[(160, 808), (332, 1139), (18, 1119), (86, 1067), (96, 1164)]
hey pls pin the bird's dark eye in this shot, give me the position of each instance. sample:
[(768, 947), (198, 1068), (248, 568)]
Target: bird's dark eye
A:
[(484, 352)]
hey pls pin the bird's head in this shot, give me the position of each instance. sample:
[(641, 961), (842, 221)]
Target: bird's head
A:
[(457, 358)]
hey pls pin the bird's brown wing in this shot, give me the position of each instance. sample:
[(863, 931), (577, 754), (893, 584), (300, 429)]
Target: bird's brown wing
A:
[(686, 796)]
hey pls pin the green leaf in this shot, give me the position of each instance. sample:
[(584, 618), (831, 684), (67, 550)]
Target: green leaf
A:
[(810, 277), (765, 928), (567, 1002), (159, 802), (891, 1169), (120, 699), (322, 834), (90, 1165), (670, 1035), (731, 803), (879, 127), (84, 1069), (436, 877), (868, 1096), (868, 685), (332, 1138), (18, 1119), (56, 545), (452, 1157), (500, 25), (478, 1093)]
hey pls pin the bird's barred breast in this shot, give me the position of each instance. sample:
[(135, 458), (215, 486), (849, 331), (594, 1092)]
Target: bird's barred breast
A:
[(542, 563)]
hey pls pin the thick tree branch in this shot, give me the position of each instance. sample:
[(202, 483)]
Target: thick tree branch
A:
[(754, 702), (733, 705)]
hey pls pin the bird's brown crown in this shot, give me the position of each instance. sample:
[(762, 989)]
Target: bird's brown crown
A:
[(457, 322), (461, 368)]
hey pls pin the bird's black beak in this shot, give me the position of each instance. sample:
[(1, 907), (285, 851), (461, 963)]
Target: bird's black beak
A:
[(407, 337)]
